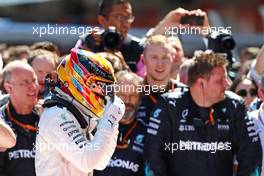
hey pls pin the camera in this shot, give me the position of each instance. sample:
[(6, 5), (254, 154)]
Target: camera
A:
[(192, 20), (222, 42), (111, 40)]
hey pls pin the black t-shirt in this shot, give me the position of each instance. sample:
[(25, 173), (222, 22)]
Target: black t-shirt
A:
[(131, 49), (19, 160), (127, 161), (184, 139), (149, 99)]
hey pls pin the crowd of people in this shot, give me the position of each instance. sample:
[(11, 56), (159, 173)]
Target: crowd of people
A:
[(140, 108)]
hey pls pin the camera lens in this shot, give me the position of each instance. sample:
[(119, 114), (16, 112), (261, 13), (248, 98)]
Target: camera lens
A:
[(111, 39), (228, 42), (222, 42)]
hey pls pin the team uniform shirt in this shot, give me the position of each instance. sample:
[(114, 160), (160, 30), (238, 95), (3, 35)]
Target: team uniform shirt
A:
[(150, 98), (19, 160), (64, 148), (184, 139), (258, 118), (127, 159)]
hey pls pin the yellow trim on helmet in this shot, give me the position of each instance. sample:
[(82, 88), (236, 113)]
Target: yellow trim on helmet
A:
[(67, 74)]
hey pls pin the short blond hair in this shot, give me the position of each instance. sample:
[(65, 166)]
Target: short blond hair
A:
[(159, 40)]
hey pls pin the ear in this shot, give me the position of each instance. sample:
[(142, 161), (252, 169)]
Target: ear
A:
[(200, 82), (102, 21), (7, 87), (260, 94)]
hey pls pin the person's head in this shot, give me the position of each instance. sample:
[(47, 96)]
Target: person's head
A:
[(46, 45), (261, 88), (85, 77), (183, 71), (117, 13), (246, 88), (178, 55), (20, 81), (116, 59), (245, 68), (207, 76), (158, 56), (247, 54), (42, 62), (128, 82), (20, 52)]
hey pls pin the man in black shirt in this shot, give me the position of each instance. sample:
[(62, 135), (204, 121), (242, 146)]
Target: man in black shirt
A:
[(20, 81), (199, 130), (7, 136), (158, 58), (117, 13), (127, 159)]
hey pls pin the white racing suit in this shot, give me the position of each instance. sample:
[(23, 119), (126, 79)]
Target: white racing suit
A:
[(63, 148)]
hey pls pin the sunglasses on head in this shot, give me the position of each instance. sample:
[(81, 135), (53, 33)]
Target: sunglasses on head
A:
[(243, 92)]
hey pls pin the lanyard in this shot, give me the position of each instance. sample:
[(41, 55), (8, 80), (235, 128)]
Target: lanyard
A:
[(124, 143), (153, 99), (25, 126), (211, 117)]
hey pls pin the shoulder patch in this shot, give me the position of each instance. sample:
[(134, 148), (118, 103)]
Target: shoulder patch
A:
[(176, 94), (235, 99), (232, 95)]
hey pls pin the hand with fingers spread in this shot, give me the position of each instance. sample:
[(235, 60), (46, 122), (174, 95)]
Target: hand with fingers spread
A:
[(172, 19), (176, 17), (205, 27)]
